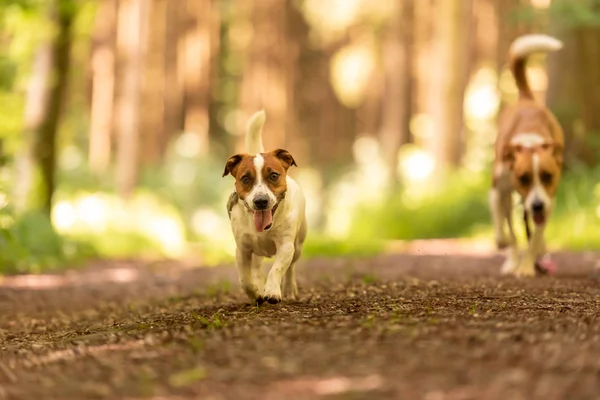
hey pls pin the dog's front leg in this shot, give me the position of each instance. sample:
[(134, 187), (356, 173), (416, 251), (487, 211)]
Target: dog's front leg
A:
[(501, 209), (272, 290), (244, 266), (535, 248)]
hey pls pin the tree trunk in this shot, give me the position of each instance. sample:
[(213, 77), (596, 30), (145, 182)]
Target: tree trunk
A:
[(152, 122), (45, 98), (173, 103), (450, 73), (195, 63), (573, 94), (267, 80), (397, 100), (130, 36), (103, 86)]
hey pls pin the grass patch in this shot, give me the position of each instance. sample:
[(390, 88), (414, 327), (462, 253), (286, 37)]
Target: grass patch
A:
[(459, 208), (454, 209), (319, 245)]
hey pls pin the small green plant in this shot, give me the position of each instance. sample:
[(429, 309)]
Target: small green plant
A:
[(187, 377), (214, 322), (368, 322), (196, 343), (369, 279), (473, 309)]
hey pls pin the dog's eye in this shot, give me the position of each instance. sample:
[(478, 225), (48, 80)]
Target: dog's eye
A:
[(546, 178), (274, 176), (246, 180), (525, 179)]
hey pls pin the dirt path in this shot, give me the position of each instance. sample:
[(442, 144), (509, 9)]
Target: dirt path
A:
[(398, 327)]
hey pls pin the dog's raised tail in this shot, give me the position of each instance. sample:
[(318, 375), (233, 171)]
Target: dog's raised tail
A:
[(520, 49), (254, 144)]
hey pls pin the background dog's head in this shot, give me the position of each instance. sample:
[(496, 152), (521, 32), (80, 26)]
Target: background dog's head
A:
[(536, 171), (260, 182)]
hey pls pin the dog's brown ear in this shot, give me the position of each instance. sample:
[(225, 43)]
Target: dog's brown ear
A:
[(232, 164), (558, 151), (508, 155), (285, 157)]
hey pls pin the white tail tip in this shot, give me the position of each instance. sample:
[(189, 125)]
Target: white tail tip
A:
[(254, 144), (533, 43), (256, 121)]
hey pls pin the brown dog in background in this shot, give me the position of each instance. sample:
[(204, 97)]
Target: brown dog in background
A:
[(528, 160)]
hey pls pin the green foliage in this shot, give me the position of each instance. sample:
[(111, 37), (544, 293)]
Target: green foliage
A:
[(453, 208), (575, 224), (459, 208), (581, 13), (29, 243), (568, 14), (320, 245)]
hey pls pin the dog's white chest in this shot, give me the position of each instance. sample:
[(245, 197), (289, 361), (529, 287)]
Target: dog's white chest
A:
[(246, 236)]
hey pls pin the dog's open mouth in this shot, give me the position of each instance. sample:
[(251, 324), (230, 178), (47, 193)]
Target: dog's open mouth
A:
[(263, 219), (539, 218)]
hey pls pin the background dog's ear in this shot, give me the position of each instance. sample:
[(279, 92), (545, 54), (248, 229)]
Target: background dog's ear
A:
[(285, 157), (232, 164), (508, 155), (558, 151)]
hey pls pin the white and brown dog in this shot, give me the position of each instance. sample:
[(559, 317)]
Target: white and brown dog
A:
[(529, 159), (267, 213)]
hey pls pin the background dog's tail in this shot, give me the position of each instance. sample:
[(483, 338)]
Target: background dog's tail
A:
[(254, 144), (520, 49)]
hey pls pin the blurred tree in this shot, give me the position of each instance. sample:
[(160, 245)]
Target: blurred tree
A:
[(131, 34), (397, 97), (201, 17), (103, 85), (268, 60), (45, 98), (450, 75), (173, 97), (324, 128), (574, 77), (152, 120)]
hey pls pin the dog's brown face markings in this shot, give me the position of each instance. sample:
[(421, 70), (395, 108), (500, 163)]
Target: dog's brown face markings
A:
[(533, 166), (273, 168)]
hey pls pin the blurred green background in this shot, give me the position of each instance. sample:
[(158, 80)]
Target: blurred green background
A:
[(117, 116)]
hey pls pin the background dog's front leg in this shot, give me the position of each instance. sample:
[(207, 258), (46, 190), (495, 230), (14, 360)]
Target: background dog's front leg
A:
[(283, 259), (534, 249), (243, 260), (501, 209)]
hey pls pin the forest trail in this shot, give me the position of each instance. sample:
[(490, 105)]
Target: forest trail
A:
[(393, 326)]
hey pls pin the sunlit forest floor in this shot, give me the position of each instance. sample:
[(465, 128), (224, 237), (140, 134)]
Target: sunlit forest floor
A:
[(392, 326)]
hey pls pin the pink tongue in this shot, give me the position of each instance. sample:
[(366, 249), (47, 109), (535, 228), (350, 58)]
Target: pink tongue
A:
[(262, 219)]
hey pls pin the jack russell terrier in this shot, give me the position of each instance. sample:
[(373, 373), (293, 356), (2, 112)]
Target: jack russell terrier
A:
[(267, 214), (528, 160)]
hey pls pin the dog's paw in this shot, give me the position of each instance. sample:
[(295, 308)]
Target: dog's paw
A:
[(290, 290), (510, 266), (503, 242), (251, 291), (271, 294), (525, 269), (269, 299), (546, 266)]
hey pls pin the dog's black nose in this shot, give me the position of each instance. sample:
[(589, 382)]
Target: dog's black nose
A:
[(537, 206), (260, 202)]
